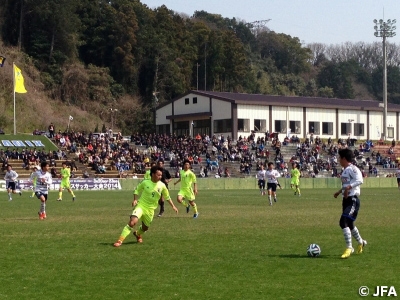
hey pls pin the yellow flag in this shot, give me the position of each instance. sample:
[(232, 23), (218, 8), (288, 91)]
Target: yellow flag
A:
[(18, 81)]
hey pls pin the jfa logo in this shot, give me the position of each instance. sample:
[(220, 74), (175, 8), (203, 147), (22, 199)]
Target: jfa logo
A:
[(380, 291), (383, 290)]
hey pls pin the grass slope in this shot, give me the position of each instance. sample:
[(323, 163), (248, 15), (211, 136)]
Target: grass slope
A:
[(23, 137), (239, 248)]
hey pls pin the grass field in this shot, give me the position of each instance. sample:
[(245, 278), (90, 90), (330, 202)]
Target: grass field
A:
[(48, 145), (238, 248)]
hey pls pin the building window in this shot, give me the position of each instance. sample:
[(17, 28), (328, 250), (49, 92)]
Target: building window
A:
[(327, 128), (295, 127), (390, 132), (260, 125), (358, 129), (280, 126), (345, 128), (186, 101), (244, 125), (313, 127), (194, 100), (162, 129), (221, 126)]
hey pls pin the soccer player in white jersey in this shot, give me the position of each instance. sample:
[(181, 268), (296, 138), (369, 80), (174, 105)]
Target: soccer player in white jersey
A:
[(261, 175), (272, 176), (351, 182), (398, 176), (43, 180), (11, 181)]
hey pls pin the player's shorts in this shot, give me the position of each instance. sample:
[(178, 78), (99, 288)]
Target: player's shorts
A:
[(40, 194), (261, 183), (350, 206), (398, 180), (295, 181), (65, 184), (145, 215), (11, 185), (271, 186), (187, 194)]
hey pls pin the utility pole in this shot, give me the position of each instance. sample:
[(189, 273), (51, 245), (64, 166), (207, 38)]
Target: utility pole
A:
[(205, 66), (384, 30), (197, 65)]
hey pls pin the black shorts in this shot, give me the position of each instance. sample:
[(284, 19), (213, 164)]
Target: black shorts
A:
[(11, 185), (350, 206), (398, 180), (261, 183), (40, 194), (271, 186)]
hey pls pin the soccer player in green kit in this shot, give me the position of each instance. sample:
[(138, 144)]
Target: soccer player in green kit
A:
[(65, 184), (295, 181), (187, 178), (143, 208)]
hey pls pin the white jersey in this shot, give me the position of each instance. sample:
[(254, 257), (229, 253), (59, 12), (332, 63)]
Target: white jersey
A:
[(272, 175), (11, 176), (43, 180), (261, 175), (352, 176), (398, 173)]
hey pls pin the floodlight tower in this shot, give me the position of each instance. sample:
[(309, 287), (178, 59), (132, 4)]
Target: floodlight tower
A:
[(384, 30)]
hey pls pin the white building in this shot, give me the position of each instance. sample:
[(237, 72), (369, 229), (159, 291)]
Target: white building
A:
[(238, 114)]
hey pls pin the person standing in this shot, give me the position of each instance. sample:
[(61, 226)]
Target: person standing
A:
[(295, 181), (398, 176), (43, 180), (272, 175), (11, 181), (261, 175), (351, 182), (51, 130), (65, 174), (34, 180), (165, 178), (150, 192), (187, 178)]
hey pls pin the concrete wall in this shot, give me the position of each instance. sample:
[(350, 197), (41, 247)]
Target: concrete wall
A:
[(251, 183)]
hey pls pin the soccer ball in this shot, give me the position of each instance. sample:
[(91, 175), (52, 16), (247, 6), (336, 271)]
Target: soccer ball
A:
[(313, 250)]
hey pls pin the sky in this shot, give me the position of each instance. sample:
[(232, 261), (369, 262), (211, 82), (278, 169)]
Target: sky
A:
[(312, 21)]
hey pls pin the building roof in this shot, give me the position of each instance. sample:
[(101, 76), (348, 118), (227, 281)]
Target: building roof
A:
[(315, 102)]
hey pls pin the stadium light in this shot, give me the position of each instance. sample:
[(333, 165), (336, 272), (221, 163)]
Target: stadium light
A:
[(384, 30)]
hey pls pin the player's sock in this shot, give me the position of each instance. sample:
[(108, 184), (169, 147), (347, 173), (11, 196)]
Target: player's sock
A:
[(72, 193), (140, 231), (59, 195), (356, 234), (269, 198), (184, 203), (125, 232), (42, 207), (194, 208), (9, 195), (347, 236), (298, 191), (33, 194)]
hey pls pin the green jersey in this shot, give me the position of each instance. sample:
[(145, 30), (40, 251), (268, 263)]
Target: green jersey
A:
[(65, 174), (150, 193), (187, 179), (295, 173)]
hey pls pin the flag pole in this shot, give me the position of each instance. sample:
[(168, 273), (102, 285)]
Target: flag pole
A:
[(69, 121), (15, 125)]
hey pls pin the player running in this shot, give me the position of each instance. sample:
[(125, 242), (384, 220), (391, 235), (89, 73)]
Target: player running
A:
[(11, 180), (295, 181), (272, 176), (150, 192), (261, 175), (43, 180)]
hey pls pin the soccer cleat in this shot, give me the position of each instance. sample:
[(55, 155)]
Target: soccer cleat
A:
[(360, 247), (159, 215), (347, 252), (187, 208), (138, 237), (73, 198), (195, 215), (59, 199), (275, 199), (42, 215), (118, 243), (20, 193), (299, 195), (295, 193), (10, 199), (270, 203)]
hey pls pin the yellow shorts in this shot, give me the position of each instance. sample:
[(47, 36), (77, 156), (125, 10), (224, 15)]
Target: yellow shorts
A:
[(295, 182), (65, 185), (187, 194), (143, 214)]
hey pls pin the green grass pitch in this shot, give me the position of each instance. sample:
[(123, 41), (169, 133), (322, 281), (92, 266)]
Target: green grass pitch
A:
[(238, 248)]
